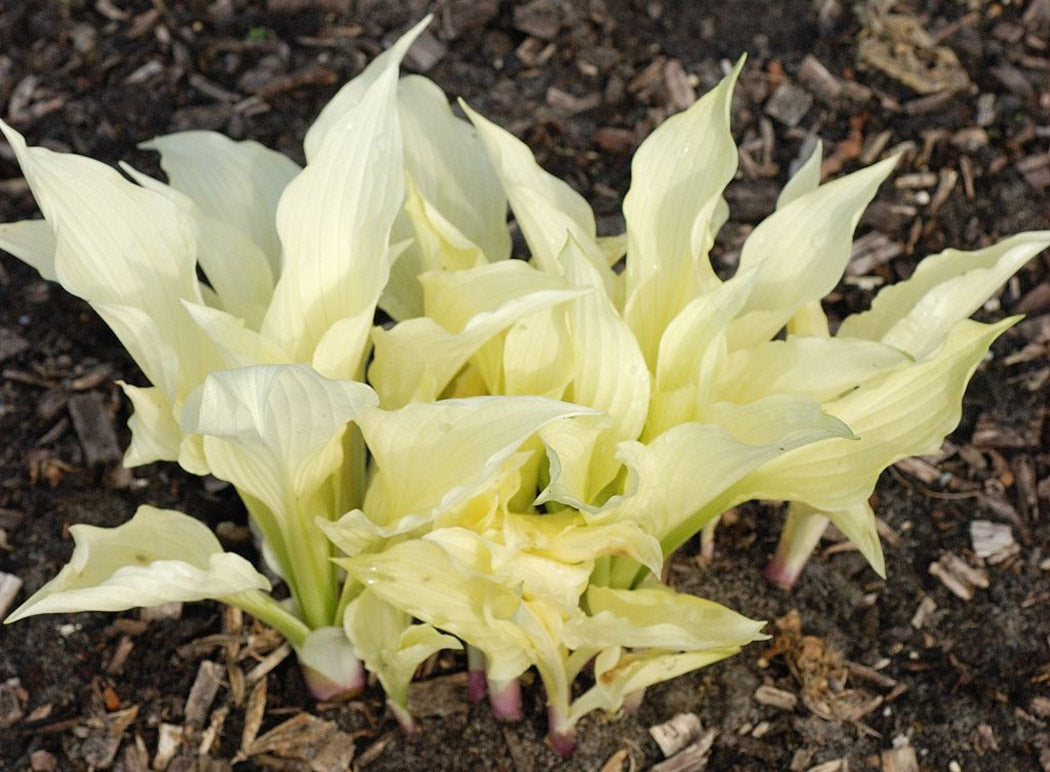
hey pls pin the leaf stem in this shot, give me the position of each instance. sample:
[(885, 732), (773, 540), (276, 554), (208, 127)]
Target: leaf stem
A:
[(269, 611), (802, 531)]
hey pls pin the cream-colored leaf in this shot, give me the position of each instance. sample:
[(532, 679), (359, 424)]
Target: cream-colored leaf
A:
[(236, 344), (355, 533), (691, 353), (418, 358), (620, 674), (658, 617), (239, 276), (547, 210), (610, 371), (472, 437), (155, 434), (916, 314), (390, 645), (688, 348), (120, 245), (539, 355), (805, 180), (420, 579), (236, 183), (145, 341), (274, 430), (905, 413), (455, 298), (158, 556), (801, 250), (819, 368), (32, 242), (679, 478), (858, 524), (342, 350), (448, 164), (433, 244), (334, 220), (568, 538), (573, 450), (677, 176), (537, 575), (334, 115)]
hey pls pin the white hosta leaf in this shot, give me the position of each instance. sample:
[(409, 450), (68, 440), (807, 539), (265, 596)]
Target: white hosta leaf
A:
[(803, 181), (537, 576), (549, 557), (241, 279), (343, 349), (355, 533), (658, 617), (236, 269), (448, 164), (614, 247), (433, 244), (677, 178), (612, 374), (574, 462), (916, 314), (274, 431), (418, 358), (691, 352), (620, 674), (819, 368), (905, 413), (568, 538), (679, 477), (159, 556), (420, 579), (610, 371), (546, 208), (329, 652), (334, 114), (390, 645), (539, 355), (237, 345), (473, 438), (857, 522), (334, 220), (121, 246), (152, 351), (155, 433), (32, 242), (454, 298), (236, 183), (801, 250)]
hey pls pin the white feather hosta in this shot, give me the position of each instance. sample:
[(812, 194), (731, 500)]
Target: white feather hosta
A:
[(542, 434), (673, 354)]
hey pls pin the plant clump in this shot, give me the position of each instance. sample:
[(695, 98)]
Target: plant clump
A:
[(508, 467)]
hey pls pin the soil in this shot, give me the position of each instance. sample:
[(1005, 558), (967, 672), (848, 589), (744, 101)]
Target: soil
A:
[(962, 684)]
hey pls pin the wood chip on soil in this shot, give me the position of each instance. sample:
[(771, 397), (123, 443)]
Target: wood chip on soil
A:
[(675, 734), (692, 758), (321, 744)]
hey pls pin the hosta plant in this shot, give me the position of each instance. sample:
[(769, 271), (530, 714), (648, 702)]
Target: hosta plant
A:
[(537, 436)]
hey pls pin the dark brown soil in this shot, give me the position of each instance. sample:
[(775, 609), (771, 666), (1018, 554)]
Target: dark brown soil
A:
[(970, 685)]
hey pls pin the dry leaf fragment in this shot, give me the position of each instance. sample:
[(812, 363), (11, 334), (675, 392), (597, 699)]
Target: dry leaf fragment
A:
[(900, 759), (692, 758), (253, 716), (202, 693), (776, 698), (675, 734), (321, 744)]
